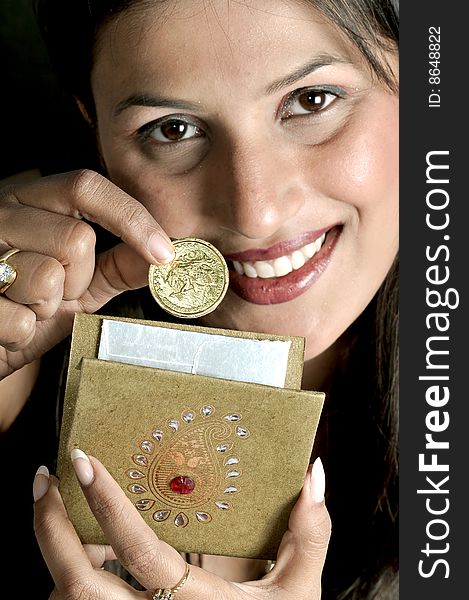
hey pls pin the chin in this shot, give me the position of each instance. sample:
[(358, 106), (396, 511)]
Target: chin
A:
[(272, 319), (243, 316)]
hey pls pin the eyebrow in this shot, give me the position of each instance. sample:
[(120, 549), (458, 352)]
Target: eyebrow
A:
[(155, 102), (322, 60)]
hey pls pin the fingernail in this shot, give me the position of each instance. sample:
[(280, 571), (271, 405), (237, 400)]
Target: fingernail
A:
[(162, 251), (318, 481), (40, 483), (83, 468)]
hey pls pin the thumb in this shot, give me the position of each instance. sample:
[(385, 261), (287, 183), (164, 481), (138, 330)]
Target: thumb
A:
[(117, 270), (303, 548)]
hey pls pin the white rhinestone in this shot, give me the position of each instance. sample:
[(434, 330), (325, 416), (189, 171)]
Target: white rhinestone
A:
[(144, 504), (173, 424), (140, 459), (242, 432), (224, 447), (181, 520), (203, 517), (161, 515), (135, 474), (6, 272), (188, 417), (146, 446), (233, 417), (136, 489)]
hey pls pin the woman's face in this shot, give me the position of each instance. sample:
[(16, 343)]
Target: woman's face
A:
[(258, 127)]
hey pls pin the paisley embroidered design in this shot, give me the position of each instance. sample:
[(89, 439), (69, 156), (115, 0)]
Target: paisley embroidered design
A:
[(185, 469)]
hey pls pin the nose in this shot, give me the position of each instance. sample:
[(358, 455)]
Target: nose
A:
[(259, 190)]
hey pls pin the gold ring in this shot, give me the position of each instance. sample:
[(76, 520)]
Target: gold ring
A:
[(8, 272), (168, 593)]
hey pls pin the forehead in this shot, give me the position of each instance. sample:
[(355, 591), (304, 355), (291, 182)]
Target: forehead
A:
[(171, 42)]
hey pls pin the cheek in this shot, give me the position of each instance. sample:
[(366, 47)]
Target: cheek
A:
[(169, 202), (368, 170), (369, 182)]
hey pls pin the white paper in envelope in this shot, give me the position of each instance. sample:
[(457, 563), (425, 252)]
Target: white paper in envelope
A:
[(238, 359)]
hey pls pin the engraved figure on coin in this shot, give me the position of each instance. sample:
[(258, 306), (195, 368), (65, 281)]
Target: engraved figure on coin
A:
[(196, 275), (194, 283)]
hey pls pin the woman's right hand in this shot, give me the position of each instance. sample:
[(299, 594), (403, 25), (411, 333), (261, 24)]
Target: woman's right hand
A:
[(58, 271), (77, 570)]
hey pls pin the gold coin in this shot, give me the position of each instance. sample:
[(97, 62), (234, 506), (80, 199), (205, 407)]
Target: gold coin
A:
[(193, 283)]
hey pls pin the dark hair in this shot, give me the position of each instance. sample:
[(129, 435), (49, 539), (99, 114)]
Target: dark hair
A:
[(362, 559), (361, 458), (372, 25)]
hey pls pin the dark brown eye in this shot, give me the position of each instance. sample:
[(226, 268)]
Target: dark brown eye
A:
[(171, 130), (310, 101), (313, 100), (174, 130)]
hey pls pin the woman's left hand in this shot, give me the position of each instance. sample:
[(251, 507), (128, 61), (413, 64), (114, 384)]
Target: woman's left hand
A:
[(77, 572)]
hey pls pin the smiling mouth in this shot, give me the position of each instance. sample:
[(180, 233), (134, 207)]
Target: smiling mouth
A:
[(283, 277), (281, 266)]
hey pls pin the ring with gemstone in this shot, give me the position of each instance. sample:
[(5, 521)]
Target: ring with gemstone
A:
[(8, 272), (168, 593)]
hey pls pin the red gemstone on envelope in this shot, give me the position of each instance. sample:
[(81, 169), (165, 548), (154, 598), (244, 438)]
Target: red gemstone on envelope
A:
[(182, 484)]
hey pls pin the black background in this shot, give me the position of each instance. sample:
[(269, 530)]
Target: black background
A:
[(40, 126)]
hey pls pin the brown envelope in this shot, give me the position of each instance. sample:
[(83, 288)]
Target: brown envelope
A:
[(239, 450)]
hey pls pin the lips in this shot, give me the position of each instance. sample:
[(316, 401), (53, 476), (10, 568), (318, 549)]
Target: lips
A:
[(270, 289)]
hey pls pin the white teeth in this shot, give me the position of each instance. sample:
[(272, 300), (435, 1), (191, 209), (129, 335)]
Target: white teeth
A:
[(238, 267), (282, 265), (310, 250), (264, 269), (249, 270), (298, 259)]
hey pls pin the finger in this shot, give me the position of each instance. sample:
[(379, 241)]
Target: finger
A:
[(39, 283), (121, 590), (117, 270), (60, 546), (98, 554), (134, 543), (152, 562), (303, 548), (86, 194), (70, 241), (55, 595), (17, 324)]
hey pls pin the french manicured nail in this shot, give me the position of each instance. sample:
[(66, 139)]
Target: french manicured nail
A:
[(162, 251), (83, 468), (318, 481), (40, 483)]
